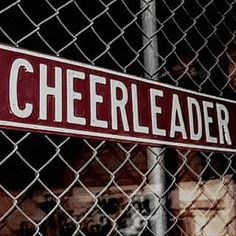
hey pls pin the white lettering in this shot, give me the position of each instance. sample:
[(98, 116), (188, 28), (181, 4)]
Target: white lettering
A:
[(94, 100), (71, 75), (45, 91), (192, 102), (119, 104), (137, 126), (156, 110), (207, 121), (177, 113), (14, 74), (223, 123)]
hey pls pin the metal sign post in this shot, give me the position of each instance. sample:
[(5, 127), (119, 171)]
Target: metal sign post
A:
[(155, 157)]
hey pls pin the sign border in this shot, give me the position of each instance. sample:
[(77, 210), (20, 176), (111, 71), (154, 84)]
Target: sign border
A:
[(90, 134)]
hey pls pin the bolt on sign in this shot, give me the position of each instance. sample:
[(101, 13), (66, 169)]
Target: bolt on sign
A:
[(52, 95)]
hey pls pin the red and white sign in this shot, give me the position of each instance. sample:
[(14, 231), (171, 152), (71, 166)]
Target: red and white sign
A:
[(53, 95)]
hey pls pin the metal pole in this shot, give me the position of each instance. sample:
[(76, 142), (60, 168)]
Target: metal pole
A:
[(150, 39), (151, 64), (157, 185)]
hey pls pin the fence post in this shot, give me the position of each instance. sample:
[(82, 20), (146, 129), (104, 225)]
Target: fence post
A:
[(151, 64)]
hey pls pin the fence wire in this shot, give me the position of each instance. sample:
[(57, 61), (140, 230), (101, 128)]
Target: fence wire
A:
[(54, 185)]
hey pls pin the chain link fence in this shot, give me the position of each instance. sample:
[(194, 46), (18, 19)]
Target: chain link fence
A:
[(56, 185)]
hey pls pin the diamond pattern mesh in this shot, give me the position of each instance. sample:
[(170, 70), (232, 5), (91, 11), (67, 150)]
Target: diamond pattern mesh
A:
[(53, 185)]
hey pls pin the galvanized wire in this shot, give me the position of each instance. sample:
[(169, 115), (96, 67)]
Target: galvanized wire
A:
[(53, 185)]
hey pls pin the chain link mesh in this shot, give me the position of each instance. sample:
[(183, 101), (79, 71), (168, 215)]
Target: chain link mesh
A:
[(53, 185)]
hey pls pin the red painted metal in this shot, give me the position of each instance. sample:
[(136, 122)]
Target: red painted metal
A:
[(144, 111)]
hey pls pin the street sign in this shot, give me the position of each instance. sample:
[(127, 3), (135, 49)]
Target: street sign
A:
[(52, 95)]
